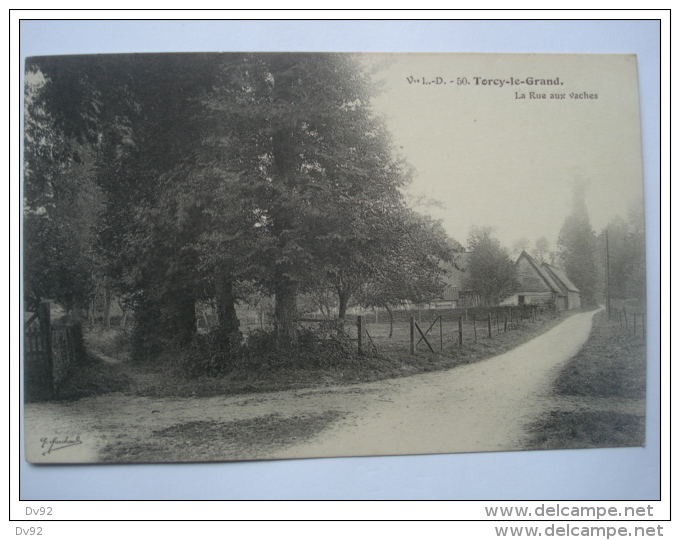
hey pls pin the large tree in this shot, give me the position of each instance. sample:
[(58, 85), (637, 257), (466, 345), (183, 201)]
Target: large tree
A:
[(318, 171), (412, 271), (215, 172), (62, 203), (490, 271), (137, 117), (577, 248)]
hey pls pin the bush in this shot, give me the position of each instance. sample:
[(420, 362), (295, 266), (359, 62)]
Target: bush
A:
[(319, 347), (209, 354), (92, 378)]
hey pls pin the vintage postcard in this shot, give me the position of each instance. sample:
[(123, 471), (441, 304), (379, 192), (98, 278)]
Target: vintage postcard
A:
[(250, 256)]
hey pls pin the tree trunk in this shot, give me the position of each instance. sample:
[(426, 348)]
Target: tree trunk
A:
[(124, 312), (91, 311), (182, 327), (285, 313), (389, 312), (283, 218), (343, 300), (108, 297), (229, 325)]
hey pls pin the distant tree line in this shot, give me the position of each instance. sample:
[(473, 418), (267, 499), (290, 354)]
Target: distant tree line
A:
[(582, 252)]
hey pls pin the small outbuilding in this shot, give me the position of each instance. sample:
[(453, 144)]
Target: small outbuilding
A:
[(542, 284), (455, 295), (569, 291)]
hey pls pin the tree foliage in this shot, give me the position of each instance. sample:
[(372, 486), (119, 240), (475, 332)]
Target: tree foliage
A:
[(172, 179), (577, 248), (490, 271), (626, 256), (62, 204), (320, 173)]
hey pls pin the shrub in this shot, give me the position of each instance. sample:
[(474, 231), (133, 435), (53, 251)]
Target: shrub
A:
[(208, 354), (319, 347), (92, 378)]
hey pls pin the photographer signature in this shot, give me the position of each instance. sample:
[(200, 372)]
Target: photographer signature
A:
[(56, 443)]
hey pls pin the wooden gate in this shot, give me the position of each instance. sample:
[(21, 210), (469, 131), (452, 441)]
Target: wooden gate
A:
[(38, 379)]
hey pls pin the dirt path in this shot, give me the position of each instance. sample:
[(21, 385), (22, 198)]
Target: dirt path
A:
[(477, 407)]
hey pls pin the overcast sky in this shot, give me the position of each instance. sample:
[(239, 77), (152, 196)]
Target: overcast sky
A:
[(492, 159)]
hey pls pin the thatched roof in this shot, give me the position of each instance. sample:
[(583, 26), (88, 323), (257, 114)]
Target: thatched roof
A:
[(561, 276), (543, 273)]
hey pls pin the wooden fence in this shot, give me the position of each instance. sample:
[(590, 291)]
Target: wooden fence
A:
[(38, 382), (469, 328), (50, 354), (634, 323), (363, 338), (425, 316), (462, 326)]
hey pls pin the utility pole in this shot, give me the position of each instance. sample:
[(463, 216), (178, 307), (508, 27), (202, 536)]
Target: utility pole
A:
[(606, 236)]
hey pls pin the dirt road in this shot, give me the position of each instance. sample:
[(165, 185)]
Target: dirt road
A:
[(477, 407)]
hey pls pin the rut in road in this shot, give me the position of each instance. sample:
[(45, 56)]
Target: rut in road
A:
[(474, 408)]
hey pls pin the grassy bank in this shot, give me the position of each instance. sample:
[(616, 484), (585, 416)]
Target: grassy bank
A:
[(211, 441), (273, 371), (609, 371)]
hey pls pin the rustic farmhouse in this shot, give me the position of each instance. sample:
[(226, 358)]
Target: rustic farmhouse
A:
[(543, 284)]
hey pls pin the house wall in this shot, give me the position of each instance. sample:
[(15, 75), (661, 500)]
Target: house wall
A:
[(443, 304), (561, 303), (530, 297), (510, 301), (574, 300)]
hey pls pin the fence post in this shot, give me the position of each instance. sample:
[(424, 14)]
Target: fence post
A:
[(625, 318), (45, 318), (466, 318), (474, 326), (413, 335), (496, 321), (460, 331), (505, 324), (634, 324), (490, 324), (360, 333), (441, 335)]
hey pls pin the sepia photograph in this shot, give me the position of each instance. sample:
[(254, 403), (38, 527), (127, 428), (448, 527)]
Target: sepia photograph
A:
[(258, 256)]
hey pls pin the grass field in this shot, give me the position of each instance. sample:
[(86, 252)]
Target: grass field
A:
[(608, 371)]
